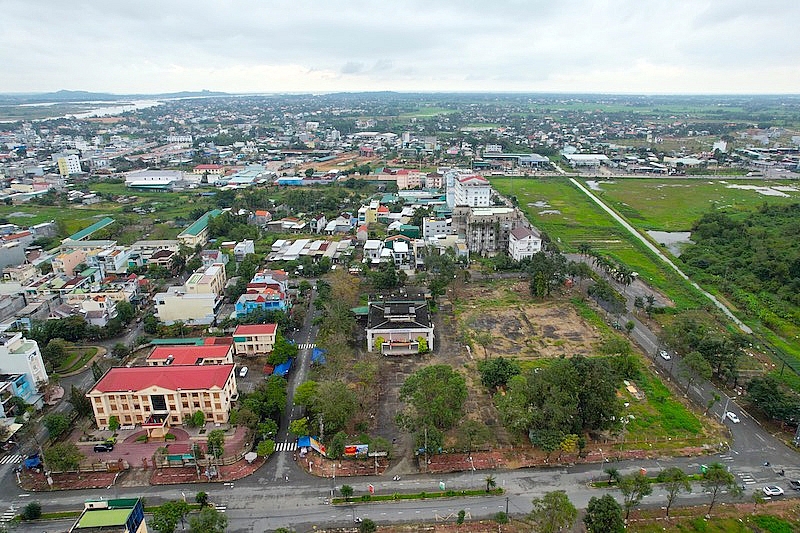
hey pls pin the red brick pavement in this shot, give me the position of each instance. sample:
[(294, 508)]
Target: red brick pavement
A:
[(187, 474)]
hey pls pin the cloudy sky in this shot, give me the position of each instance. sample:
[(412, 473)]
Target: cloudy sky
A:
[(621, 46)]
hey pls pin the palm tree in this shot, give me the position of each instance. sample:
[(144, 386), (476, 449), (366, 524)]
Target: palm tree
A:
[(490, 482), (585, 248), (613, 474)]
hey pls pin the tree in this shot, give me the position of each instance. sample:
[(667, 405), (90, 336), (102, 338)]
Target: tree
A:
[(282, 351), (113, 423), (634, 487), (209, 520), (553, 512), (265, 448), (55, 353), (674, 481), (216, 443), (346, 491), (299, 427), (268, 428), (63, 456), (97, 371), (710, 403), (604, 515), (335, 404), (198, 419), (166, 516), (491, 482), (716, 478), (485, 339), (337, 444), (56, 425), (434, 396), (201, 498), (472, 432), (496, 372), (79, 401), (125, 311), (613, 474), (694, 367), (120, 350), (367, 526), (32, 511)]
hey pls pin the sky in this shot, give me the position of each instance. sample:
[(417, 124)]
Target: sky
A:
[(273, 46)]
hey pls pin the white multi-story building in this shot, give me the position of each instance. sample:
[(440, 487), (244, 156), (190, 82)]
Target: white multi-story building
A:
[(523, 243), (21, 358), (432, 227), (67, 164), (472, 191)]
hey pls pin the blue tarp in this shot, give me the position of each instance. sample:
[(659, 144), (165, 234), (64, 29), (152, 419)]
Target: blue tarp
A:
[(304, 442), (318, 356), (283, 368), (32, 462)]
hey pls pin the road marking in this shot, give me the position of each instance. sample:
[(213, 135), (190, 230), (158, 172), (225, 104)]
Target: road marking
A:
[(288, 446), (306, 346), (9, 459)]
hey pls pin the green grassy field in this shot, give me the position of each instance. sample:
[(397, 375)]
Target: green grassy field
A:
[(675, 204), (570, 218)]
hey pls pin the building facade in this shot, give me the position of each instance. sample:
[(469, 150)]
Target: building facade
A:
[(523, 243), (163, 396), (399, 327), (255, 339)]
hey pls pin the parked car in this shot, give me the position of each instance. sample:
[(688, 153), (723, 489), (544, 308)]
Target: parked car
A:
[(103, 447), (732, 417), (243, 371), (795, 484), (664, 355), (772, 490)]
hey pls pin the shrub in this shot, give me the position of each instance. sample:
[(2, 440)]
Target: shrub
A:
[(32, 511)]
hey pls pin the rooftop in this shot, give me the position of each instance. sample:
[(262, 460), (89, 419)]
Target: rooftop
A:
[(123, 379), (189, 355), (256, 329), (82, 234), (201, 223)]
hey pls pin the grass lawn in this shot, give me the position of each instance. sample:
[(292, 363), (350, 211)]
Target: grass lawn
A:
[(569, 217), (741, 523), (77, 357), (675, 204)]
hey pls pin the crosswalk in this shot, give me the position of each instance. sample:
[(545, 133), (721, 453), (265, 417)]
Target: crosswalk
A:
[(11, 459), (306, 346), (8, 515), (288, 446), (746, 478)]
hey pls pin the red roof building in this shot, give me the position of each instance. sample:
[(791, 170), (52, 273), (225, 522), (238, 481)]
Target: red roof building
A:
[(159, 397), (255, 339), (209, 353)]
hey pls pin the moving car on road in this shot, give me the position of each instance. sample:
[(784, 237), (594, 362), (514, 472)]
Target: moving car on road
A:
[(795, 484), (103, 447), (732, 417), (664, 355)]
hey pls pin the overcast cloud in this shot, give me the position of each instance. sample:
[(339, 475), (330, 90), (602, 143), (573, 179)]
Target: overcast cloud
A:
[(621, 46)]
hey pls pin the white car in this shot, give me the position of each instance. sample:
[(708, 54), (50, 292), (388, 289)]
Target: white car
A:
[(243, 371), (664, 355), (773, 491), (732, 417)]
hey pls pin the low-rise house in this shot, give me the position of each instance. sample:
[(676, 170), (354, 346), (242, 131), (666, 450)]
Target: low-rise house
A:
[(523, 243), (254, 339), (115, 515), (241, 249), (399, 327), (212, 353), (162, 396), (197, 233)]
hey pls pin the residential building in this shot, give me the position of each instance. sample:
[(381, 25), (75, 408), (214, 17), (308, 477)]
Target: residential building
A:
[(178, 305), (114, 515), (243, 248), (372, 251), (212, 353), (255, 339), (209, 280), (486, 230), (98, 310), (399, 326), (211, 170), (432, 227), (197, 233), (472, 191), (267, 291), (153, 179), (523, 243), (65, 263), (210, 257), (142, 251), (21, 357), (159, 397), (368, 214), (68, 164), (11, 254)]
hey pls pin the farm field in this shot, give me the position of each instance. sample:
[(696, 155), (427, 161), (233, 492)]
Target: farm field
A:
[(568, 216), (675, 204)]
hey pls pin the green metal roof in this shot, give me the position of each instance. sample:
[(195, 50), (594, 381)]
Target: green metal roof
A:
[(104, 518), (360, 311), (201, 223), (82, 234), (197, 341)]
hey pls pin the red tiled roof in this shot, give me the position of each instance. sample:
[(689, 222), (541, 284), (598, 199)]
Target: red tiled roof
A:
[(256, 329), (188, 355), (208, 167), (219, 341), (15, 236), (121, 379)]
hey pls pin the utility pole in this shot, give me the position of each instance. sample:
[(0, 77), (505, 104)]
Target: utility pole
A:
[(426, 448), (725, 410)]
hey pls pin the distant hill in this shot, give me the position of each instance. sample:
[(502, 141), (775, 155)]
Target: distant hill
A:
[(86, 96)]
